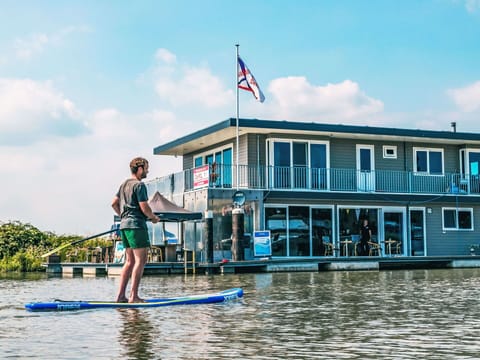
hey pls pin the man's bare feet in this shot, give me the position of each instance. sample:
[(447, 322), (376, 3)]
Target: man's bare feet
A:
[(122, 300), (136, 300)]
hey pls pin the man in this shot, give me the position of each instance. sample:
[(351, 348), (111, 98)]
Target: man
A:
[(131, 204), (366, 237)]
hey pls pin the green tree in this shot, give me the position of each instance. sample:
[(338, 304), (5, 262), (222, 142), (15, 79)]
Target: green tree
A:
[(15, 236)]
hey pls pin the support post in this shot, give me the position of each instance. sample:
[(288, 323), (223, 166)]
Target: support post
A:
[(209, 235), (238, 247)]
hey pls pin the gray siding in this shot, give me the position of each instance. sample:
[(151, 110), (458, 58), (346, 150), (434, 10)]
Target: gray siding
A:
[(449, 242)]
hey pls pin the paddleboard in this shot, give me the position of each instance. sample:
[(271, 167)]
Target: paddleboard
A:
[(62, 305)]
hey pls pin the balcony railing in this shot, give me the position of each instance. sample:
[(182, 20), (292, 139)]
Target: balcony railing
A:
[(304, 178)]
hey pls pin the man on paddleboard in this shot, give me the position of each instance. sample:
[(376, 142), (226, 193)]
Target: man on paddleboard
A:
[(131, 204)]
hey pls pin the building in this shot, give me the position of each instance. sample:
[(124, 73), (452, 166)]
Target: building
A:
[(313, 184)]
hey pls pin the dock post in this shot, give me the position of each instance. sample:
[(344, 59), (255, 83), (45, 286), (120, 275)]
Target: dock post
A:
[(209, 235), (237, 234)]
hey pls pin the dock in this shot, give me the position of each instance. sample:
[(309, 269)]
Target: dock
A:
[(267, 265)]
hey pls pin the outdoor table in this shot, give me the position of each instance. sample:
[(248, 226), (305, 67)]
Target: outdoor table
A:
[(389, 243), (345, 245)]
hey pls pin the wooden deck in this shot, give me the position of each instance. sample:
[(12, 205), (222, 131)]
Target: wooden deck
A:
[(272, 265)]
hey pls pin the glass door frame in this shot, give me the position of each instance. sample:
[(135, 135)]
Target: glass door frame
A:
[(381, 230), (365, 177), (422, 209)]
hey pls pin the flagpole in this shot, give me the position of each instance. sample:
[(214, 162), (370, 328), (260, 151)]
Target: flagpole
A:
[(237, 136)]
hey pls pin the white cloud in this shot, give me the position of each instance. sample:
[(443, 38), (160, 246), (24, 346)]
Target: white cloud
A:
[(67, 185), (26, 47), (188, 85), (164, 55), (295, 98), (467, 98), (472, 6), (31, 111)]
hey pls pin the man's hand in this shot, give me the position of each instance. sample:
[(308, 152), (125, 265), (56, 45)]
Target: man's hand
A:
[(155, 219)]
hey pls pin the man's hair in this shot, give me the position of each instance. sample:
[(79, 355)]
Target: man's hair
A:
[(136, 163)]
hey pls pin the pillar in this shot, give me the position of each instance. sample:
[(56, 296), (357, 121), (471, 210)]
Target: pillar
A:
[(209, 236), (238, 247)]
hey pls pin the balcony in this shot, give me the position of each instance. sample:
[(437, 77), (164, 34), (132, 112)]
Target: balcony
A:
[(328, 180)]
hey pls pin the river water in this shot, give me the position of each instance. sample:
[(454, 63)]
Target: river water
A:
[(420, 314)]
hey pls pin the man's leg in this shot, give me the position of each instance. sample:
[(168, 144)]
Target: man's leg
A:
[(125, 275), (140, 256)]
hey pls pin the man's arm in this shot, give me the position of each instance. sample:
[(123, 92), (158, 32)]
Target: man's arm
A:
[(116, 205), (147, 210)]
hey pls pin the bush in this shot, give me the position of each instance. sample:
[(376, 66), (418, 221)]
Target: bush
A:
[(24, 260), (22, 245)]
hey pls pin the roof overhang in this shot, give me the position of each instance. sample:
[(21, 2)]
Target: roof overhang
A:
[(226, 130)]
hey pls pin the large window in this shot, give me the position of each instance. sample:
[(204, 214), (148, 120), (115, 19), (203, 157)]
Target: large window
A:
[(470, 169), (429, 161), (299, 164), (457, 219), (281, 163), (299, 230), (220, 161), (318, 164), (276, 222), (322, 239)]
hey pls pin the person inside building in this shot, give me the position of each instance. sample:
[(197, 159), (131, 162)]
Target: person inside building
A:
[(365, 237)]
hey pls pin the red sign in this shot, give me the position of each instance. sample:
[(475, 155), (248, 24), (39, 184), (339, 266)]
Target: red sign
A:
[(200, 177)]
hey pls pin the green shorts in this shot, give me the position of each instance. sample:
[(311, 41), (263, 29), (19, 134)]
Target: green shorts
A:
[(135, 238)]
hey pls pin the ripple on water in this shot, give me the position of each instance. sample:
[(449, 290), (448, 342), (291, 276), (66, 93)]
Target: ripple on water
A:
[(343, 315)]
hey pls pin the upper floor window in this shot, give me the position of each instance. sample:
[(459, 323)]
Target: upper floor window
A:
[(299, 164), (470, 162), (389, 152), (428, 161), (457, 218), (220, 161)]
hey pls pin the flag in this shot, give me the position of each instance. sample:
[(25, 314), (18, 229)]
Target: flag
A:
[(246, 81)]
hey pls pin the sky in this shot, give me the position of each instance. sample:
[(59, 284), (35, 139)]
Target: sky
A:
[(85, 86)]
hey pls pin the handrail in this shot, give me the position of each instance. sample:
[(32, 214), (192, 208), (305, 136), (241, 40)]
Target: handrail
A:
[(321, 179)]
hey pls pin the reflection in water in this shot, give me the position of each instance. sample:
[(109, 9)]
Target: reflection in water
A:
[(135, 334), (418, 314)]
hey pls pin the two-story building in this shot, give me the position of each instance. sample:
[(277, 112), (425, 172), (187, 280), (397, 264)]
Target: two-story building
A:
[(313, 184)]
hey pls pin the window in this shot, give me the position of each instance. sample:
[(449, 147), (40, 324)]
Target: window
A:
[(299, 164), (428, 161), (389, 152), (457, 219), (221, 165)]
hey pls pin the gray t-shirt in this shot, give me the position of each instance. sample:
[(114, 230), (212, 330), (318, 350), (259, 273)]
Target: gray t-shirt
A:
[(131, 193)]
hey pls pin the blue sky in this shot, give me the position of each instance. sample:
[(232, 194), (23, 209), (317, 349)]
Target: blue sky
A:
[(87, 85)]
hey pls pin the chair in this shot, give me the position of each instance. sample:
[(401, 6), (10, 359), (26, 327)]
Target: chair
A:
[(375, 249), (328, 248), (397, 248), (355, 242), (155, 254)]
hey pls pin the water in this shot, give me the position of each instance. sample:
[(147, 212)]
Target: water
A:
[(422, 314)]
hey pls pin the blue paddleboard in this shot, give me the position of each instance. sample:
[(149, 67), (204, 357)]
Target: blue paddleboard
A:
[(60, 305)]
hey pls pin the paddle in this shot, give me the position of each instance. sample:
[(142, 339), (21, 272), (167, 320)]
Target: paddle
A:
[(63, 246)]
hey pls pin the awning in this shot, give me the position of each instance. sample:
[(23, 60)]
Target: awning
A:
[(168, 211)]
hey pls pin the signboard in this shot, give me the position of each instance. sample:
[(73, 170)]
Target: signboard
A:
[(262, 243), (119, 255), (200, 176)]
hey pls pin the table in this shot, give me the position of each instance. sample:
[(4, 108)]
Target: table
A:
[(345, 243), (389, 243)]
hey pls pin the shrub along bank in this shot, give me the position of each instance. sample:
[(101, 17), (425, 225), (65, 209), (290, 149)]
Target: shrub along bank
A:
[(21, 246)]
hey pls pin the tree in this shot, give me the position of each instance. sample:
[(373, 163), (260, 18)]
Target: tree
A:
[(15, 236)]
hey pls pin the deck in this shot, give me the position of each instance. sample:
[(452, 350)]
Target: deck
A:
[(267, 265)]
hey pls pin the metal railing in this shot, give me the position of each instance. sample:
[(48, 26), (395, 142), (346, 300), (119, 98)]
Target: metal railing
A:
[(331, 179)]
